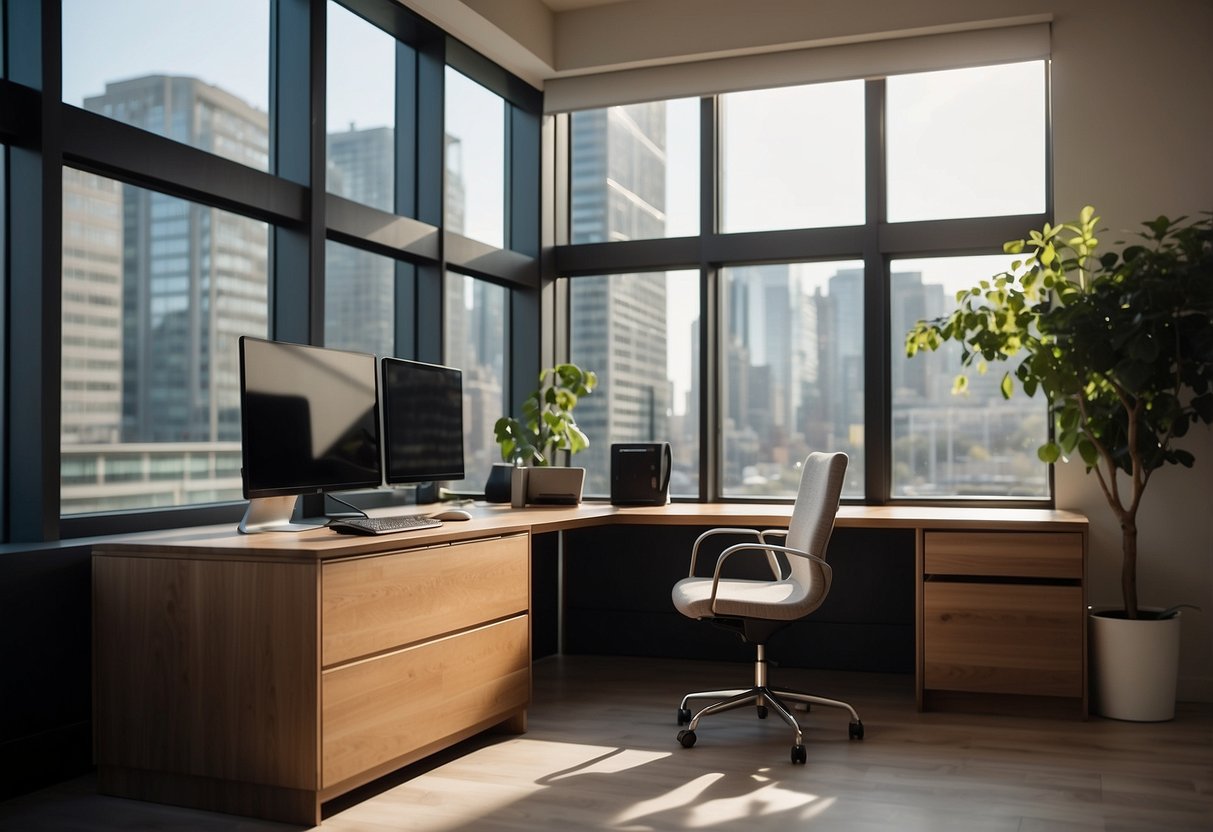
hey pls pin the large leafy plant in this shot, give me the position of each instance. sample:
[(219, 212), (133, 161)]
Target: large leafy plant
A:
[(1120, 345), (547, 424)]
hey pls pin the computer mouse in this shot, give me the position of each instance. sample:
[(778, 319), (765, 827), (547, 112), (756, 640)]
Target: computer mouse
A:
[(452, 514)]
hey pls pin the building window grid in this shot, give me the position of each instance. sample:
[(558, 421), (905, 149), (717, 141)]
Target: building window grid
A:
[(147, 170), (934, 242)]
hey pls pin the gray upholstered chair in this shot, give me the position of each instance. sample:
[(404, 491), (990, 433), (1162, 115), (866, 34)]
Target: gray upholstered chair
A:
[(756, 609)]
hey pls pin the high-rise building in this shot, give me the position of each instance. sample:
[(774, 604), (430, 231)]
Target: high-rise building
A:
[(360, 286), (619, 326), (92, 309), (194, 277), (157, 292)]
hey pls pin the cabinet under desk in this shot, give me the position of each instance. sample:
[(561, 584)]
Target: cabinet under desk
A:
[(265, 674)]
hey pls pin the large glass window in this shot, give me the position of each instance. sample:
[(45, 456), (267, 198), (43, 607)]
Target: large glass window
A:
[(792, 373), (966, 142), (640, 334), (475, 160), (197, 73), (156, 293), (359, 300), (476, 341), (792, 157), (635, 172), (974, 444), (360, 110)]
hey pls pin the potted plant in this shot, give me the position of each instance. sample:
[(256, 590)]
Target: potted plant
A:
[(1122, 347), (546, 427)]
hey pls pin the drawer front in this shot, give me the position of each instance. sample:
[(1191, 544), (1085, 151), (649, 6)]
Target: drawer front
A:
[(1003, 638), (1010, 554), (375, 604), (384, 708)]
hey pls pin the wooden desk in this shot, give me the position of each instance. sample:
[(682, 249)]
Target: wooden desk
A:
[(265, 674)]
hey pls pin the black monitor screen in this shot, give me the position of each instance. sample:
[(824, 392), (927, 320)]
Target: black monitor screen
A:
[(309, 419), (422, 422)]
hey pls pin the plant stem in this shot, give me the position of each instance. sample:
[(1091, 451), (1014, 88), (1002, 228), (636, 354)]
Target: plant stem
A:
[(1128, 572)]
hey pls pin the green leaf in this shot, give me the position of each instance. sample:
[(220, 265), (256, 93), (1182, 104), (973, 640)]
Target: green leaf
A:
[(1007, 386), (1088, 452), (1048, 453)]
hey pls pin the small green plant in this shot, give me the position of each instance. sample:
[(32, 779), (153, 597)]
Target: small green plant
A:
[(1120, 345), (547, 423)]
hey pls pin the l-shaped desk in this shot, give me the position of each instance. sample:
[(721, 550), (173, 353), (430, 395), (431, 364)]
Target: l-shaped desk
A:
[(265, 674)]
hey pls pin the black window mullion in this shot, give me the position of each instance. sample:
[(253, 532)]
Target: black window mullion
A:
[(297, 136), (33, 347), (877, 414)]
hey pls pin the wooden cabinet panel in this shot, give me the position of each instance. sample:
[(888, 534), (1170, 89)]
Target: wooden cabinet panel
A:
[(382, 709), (207, 669), (370, 605), (1003, 638), (1009, 554)]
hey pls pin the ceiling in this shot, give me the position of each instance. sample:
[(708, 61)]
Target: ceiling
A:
[(568, 5)]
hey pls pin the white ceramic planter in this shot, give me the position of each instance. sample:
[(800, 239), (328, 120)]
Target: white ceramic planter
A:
[(1134, 667)]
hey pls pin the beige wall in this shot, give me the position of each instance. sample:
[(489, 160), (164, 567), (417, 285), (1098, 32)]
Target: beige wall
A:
[(1132, 133)]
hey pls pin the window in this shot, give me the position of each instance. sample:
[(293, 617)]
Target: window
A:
[(975, 444), (635, 172), (195, 73), (792, 373), (792, 157), (476, 341), (359, 300), (360, 110), (156, 293), (640, 334), (475, 160), (967, 142)]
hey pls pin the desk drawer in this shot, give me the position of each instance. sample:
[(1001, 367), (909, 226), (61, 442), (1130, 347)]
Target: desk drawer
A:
[(1003, 638), (1009, 554), (370, 605), (384, 709)]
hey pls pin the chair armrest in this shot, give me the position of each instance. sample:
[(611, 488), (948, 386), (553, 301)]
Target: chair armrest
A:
[(769, 549), (713, 532)]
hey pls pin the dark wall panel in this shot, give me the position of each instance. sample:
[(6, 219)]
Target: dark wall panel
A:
[(617, 601), (46, 689)]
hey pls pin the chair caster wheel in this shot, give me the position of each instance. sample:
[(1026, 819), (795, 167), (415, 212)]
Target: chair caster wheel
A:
[(855, 730), (762, 711), (686, 738), (799, 755), (684, 716)]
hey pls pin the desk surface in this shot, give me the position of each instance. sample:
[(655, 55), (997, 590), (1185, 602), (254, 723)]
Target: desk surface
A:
[(494, 519)]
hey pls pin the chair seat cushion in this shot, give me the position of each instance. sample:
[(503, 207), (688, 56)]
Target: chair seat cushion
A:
[(772, 600)]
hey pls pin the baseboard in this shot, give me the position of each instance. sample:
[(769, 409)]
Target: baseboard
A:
[(34, 762), (1195, 689)]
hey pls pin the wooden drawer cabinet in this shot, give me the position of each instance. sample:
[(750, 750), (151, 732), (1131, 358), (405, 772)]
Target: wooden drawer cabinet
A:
[(1003, 615), (265, 682), (1007, 554), (1003, 638), (383, 709), (369, 605)]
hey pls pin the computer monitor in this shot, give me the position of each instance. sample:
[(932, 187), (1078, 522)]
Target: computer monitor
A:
[(309, 424), (422, 422)]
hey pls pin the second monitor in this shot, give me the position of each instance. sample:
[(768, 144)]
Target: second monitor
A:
[(422, 422)]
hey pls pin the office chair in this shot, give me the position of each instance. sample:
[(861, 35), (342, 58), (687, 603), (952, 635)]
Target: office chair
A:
[(756, 609)]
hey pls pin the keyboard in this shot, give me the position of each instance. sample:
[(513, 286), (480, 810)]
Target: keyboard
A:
[(384, 525)]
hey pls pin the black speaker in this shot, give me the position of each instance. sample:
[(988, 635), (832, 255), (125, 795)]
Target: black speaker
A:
[(640, 473)]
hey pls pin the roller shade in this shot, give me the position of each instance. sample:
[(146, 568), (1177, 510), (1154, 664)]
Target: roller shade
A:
[(986, 43)]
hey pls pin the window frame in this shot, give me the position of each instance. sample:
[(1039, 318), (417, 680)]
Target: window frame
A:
[(44, 135), (876, 243)]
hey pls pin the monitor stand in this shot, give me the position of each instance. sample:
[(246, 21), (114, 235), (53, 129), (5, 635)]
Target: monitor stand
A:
[(272, 514)]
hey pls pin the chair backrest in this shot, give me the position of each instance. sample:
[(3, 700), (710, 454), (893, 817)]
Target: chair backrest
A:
[(812, 520)]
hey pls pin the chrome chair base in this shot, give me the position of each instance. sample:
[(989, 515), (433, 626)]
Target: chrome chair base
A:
[(762, 697)]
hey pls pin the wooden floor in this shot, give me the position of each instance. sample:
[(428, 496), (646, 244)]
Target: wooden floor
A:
[(601, 754)]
